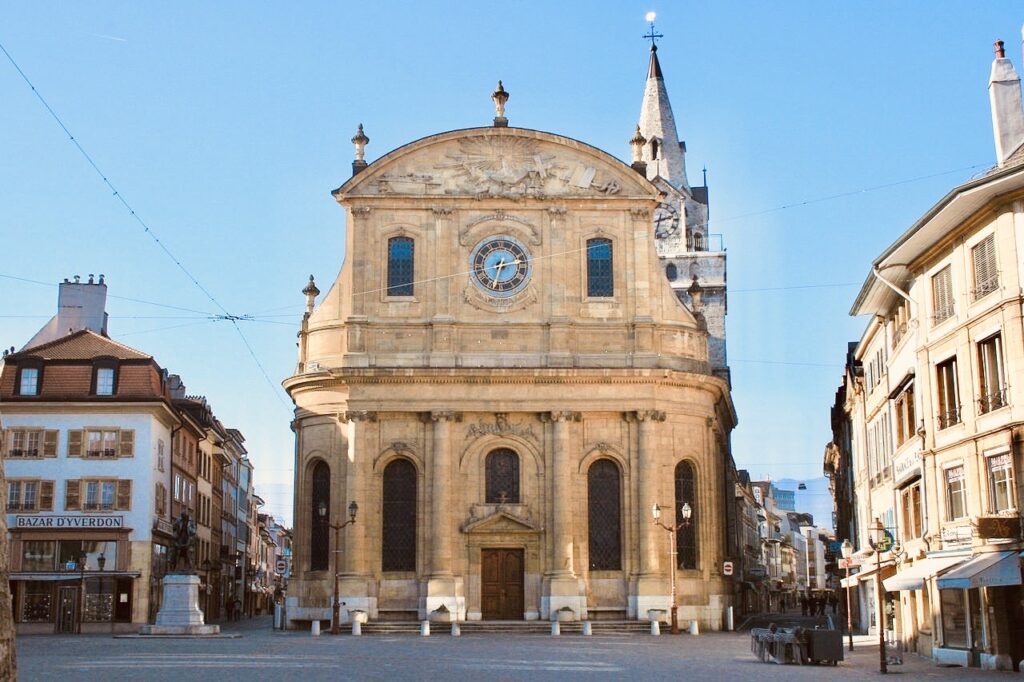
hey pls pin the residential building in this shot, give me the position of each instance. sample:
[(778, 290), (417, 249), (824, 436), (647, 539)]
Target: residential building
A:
[(937, 412)]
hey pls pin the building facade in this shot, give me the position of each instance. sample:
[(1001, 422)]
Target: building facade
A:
[(936, 415), (505, 381)]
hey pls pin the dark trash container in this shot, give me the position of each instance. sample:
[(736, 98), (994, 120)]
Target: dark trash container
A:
[(824, 646)]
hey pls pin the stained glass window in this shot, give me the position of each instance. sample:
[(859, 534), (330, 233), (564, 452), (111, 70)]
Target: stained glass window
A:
[(400, 266), (319, 531), (686, 536), (603, 516), (502, 473), (599, 268), (398, 547)]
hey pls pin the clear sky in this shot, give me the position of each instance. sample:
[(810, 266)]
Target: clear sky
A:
[(827, 128)]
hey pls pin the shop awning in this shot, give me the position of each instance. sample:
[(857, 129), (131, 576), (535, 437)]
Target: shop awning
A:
[(72, 577), (984, 570), (857, 577), (913, 577)]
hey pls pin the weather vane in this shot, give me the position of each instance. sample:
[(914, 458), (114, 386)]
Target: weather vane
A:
[(652, 36)]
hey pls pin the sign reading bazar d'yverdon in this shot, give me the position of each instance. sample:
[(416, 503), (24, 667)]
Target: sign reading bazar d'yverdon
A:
[(68, 521)]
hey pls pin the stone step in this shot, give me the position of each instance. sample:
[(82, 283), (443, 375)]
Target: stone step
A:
[(525, 627)]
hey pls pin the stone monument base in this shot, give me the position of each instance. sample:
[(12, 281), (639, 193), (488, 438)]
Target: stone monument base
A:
[(179, 613)]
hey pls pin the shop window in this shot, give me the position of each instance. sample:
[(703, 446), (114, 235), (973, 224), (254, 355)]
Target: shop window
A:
[(38, 555), (953, 604), (604, 512), (502, 477), (37, 602)]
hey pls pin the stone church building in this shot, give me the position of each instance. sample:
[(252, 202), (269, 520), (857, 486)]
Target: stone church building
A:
[(523, 354)]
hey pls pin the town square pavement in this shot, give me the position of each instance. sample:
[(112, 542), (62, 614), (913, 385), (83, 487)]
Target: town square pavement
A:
[(260, 653)]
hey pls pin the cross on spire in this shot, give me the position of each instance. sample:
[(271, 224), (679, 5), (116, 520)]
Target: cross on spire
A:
[(652, 36)]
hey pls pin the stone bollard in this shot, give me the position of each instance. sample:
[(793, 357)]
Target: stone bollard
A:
[(556, 629), (425, 628), (587, 631), (456, 630), (728, 619), (694, 630), (655, 627), (357, 628), (314, 628)]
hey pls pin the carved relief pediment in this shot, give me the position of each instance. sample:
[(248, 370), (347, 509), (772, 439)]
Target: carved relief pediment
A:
[(497, 164), (499, 519)]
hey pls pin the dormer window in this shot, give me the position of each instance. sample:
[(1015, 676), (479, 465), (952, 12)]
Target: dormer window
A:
[(104, 377), (28, 381)]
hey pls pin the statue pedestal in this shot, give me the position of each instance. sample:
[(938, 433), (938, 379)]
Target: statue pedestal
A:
[(179, 613)]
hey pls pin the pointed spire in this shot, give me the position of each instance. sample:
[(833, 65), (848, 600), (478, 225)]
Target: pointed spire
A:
[(663, 153)]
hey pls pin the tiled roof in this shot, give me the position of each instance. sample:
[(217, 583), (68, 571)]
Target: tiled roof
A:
[(82, 345)]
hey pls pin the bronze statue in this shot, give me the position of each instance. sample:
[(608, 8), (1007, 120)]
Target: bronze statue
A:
[(183, 544)]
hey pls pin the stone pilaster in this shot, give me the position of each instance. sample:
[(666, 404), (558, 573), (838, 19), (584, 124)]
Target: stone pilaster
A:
[(562, 586), (648, 590), (443, 586), (353, 584)]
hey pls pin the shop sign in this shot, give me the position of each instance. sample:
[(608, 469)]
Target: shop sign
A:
[(906, 465), (956, 535), (69, 522), (999, 527)]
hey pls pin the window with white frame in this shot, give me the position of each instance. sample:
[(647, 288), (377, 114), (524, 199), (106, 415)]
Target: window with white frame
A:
[(986, 275), (28, 381), (956, 493), (29, 495), (942, 295), (949, 393), (874, 369), (1000, 482), (101, 442), (31, 443), (992, 382), (105, 378)]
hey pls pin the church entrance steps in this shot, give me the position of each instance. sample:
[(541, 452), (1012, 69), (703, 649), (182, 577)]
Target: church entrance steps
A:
[(521, 627)]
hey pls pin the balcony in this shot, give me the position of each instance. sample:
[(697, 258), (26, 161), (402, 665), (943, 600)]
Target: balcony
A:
[(942, 314), (949, 418), (985, 288), (992, 401)]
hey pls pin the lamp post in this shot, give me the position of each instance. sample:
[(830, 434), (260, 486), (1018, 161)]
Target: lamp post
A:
[(81, 570), (881, 542), (686, 511), (336, 527), (847, 550)]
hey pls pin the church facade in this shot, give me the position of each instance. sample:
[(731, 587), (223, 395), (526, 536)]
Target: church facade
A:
[(522, 355)]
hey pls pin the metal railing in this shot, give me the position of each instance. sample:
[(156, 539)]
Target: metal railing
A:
[(992, 401), (987, 287), (943, 314), (949, 418)]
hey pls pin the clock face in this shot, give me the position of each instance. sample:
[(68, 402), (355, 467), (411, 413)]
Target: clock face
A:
[(666, 220), (500, 266)]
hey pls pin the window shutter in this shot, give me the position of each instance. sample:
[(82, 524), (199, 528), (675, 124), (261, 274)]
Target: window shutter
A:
[(6, 440), (985, 272), (942, 293), (75, 442), (126, 443), (45, 495), (124, 494), (50, 443), (71, 495)]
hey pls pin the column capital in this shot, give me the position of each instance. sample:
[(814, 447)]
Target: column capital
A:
[(644, 416), (561, 416), (442, 416), (441, 211), (357, 416)]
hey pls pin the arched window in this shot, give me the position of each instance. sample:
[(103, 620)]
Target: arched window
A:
[(502, 477), (672, 272), (654, 150), (319, 535), (603, 516), (599, 268), (400, 266), (699, 243), (398, 547), (686, 536)]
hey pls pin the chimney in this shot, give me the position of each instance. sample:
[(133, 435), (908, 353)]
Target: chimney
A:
[(176, 387), (82, 305), (1007, 113)]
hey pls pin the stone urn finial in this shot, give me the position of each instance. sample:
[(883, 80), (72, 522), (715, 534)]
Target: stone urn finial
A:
[(360, 140), (500, 96)]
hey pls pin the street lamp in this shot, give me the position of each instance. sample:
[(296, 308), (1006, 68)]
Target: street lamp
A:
[(336, 527), (81, 570), (881, 541), (686, 512), (847, 550)]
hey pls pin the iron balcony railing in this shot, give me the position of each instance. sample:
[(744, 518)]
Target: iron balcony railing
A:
[(992, 401), (949, 418)]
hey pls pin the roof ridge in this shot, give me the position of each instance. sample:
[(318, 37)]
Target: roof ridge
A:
[(77, 335)]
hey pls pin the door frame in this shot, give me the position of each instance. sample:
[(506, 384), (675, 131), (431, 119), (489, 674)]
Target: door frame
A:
[(521, 612)]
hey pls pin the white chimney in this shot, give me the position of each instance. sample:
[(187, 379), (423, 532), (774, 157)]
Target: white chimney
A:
[(80, 305), (1007, 113)]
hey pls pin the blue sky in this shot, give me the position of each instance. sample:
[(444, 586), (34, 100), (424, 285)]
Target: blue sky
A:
[(826, 128)]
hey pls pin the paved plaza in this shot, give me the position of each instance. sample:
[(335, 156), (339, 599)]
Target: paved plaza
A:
[(262, 654)]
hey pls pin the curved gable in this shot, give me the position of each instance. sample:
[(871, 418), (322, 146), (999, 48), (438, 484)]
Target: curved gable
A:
[(498, 162)]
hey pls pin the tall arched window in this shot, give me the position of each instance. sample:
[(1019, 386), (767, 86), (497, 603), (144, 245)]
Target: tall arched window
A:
[(501, 470), (599, 268), (400, 266), (604, 516), (686, 536), (672, 272), (319, 535), (398, 547)]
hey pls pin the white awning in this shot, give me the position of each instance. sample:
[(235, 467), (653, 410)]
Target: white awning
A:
[(913, 577), (984, 570), (857, 577)]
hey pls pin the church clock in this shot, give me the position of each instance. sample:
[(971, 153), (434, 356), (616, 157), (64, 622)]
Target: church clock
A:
[(500, 266), (666, 220)]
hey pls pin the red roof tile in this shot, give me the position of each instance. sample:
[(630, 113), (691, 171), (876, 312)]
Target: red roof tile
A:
[(81, 345)]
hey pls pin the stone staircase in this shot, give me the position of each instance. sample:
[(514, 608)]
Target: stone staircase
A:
[(512, 627)]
